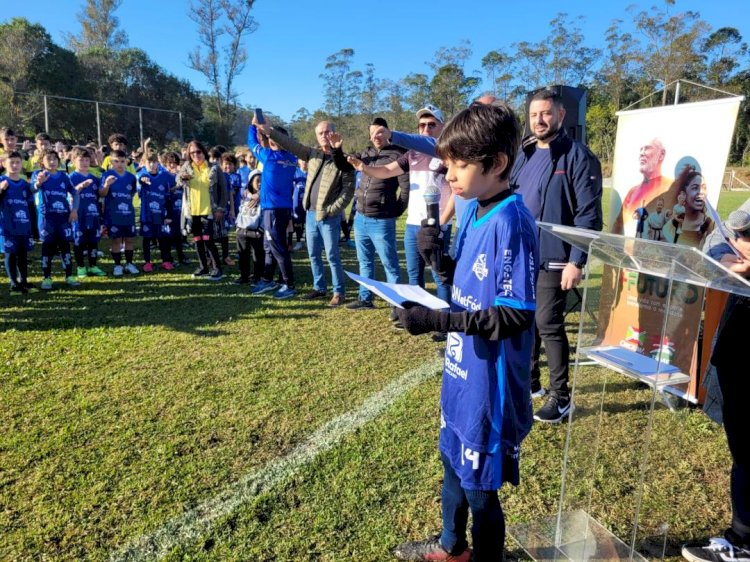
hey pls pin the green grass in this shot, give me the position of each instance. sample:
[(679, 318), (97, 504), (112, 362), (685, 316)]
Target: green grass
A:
[(127, 402)]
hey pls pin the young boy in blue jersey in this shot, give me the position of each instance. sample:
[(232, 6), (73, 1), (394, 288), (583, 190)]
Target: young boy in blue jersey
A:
[(87, 229), (276, 206), (17, 215), (53, 189), (485, 396), (172, 164), (118, 187), (234, 194), (156, 221)]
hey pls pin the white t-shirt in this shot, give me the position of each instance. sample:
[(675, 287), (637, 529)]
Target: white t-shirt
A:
[(423, 170)]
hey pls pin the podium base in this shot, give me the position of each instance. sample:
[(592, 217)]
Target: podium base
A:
[(582, 538)]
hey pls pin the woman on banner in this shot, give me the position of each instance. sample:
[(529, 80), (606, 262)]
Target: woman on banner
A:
[(691, 230)]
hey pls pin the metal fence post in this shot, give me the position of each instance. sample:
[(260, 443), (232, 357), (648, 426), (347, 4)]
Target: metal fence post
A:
[(98, 126), (46, 116), (182, 138)]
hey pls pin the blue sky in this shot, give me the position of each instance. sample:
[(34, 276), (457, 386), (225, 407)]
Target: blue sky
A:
[(287, 53)]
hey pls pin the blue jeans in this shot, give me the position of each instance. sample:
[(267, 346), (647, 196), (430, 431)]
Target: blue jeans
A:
[(488, 528), (320, 235), (376, 235), (415, 264)]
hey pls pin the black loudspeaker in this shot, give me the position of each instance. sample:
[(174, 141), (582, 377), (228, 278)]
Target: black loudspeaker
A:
[(574, 100)]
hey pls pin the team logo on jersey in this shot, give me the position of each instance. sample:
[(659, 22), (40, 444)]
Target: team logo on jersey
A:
[(92, 208), (454, 347), (21, 215), (58, 206), (154, 206), (480, 267), (123, 207)]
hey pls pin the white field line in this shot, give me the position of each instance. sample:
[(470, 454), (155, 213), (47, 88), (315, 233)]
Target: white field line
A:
[(194, 523)]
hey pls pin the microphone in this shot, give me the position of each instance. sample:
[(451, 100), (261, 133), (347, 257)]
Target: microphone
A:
[(432, 200)]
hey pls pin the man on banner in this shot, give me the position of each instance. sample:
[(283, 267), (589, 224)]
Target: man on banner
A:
[(654, 185), (560, 181)]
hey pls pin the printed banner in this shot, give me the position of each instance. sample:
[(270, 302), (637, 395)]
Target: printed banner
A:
[(668, 162)]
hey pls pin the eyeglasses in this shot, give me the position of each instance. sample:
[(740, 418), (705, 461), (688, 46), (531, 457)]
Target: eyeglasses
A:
[(428, 125), (194, 152)]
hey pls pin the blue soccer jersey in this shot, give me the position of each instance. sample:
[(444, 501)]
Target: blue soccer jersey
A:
[(486, 395), (16, 203), (88, 205), (118, 203), (52, 197), (154, 197)]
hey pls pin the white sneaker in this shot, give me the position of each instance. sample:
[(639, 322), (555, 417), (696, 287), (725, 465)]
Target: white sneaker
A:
[(117, 271), (130, 268), (539, 393)]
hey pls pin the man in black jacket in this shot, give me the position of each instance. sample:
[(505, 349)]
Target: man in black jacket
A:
[(379, 204), (560, 181)]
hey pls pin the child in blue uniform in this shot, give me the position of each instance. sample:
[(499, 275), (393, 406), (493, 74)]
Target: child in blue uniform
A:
[(17, 215), (156, 221), (56, 216), (87, 229), (118, 188), (485, 396), (172, 164)]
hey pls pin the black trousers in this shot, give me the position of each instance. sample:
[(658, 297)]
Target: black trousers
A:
[(550, 329), (250, 249), (735, 386), (275, 223), (202, 228)]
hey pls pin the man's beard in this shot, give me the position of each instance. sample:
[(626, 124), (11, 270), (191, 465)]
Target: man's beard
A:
[(551, 132)]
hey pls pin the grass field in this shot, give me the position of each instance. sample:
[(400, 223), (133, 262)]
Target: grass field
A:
[(160, 416)]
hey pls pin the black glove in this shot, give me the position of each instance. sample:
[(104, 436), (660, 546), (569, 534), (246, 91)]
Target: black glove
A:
[(429, 241), (418, 319)]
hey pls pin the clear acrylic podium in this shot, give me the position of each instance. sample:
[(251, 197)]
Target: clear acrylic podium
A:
[(611, 503)]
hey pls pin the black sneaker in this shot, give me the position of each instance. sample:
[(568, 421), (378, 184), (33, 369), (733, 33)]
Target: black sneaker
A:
[(439, 337), (314, 294), (429, 549), (18, 289), (555, 409), (215, 274), (360, 305), (28, 286), (200, 272), (717, 549), (394, 314)]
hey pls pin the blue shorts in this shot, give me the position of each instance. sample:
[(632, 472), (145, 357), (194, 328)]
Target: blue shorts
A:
[(55, 231), (149, 230), (479, 471), (86, 236), (121, 231), (12, 244)]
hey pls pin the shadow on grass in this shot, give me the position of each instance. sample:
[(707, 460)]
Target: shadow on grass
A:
[(196, 307)]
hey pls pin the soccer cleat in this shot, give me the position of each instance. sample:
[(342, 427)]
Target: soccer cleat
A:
[(200, 272), (117, 271), (215, 275), (264, 286), (130, 268), (717, 549), (72, 281), (360, 305), (46, 284), (555, 409), (148, 267), (167, 266), (314, 294), (285, 292), (81, 272), (429, 550), (95, 271)]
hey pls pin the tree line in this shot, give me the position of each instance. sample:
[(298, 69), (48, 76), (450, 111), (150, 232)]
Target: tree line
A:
[(642, 51)]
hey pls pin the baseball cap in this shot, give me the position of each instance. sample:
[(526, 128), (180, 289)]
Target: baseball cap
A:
[(739, 222), (430, 109)]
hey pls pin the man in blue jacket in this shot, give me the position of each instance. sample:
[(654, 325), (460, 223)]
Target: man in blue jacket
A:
[(560, 181)]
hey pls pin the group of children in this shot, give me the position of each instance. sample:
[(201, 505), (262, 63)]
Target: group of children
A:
[(76, 195)]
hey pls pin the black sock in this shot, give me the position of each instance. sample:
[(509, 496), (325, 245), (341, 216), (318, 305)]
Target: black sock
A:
[(93, 254), (117, 257), (128, 256), (11, 262), (146, 250), (78, 251)]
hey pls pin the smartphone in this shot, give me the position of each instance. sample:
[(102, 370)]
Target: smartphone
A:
[(259, 116)]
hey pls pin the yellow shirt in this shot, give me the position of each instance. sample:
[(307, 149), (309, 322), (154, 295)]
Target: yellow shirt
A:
[(200, 199), (106, 165)]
